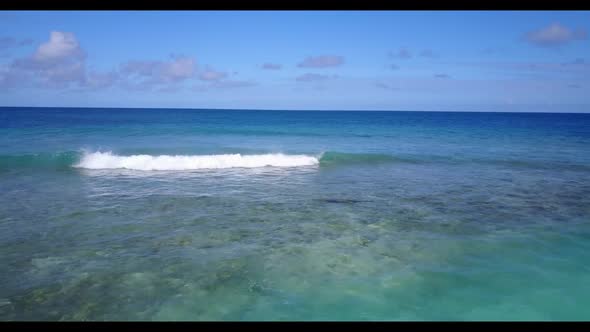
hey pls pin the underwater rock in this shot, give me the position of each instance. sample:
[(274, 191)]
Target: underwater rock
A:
[(185, 241), (364, 242), (340, 200)]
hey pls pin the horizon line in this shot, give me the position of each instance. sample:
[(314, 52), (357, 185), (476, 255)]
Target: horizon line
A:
[(291, 110)]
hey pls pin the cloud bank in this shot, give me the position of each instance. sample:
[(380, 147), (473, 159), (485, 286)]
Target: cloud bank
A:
[(58, 62)]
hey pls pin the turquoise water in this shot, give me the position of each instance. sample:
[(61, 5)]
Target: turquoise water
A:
[(361, 215)]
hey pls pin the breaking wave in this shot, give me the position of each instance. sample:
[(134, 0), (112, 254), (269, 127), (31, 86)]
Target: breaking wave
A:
[(63, 161), (108, 160)]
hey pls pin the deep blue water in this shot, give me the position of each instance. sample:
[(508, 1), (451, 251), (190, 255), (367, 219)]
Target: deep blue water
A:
[(168, 214)]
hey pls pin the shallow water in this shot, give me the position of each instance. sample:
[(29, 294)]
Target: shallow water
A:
[(406, 216)]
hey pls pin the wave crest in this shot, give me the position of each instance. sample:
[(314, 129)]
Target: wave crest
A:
[(107, 160)]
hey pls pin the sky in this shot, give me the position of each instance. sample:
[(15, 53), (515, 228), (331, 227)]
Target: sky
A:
[(523, 61)]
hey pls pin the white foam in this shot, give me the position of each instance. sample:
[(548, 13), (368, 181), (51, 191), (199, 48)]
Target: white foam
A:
[(107, 160)]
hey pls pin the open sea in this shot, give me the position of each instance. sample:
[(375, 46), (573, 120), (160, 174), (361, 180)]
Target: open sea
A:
[(179, 214)]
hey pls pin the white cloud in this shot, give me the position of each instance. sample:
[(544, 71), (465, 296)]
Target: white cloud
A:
[(179, 69), (271, 66), (322, 61), (61, 45), (555, 35), (97, 80), (211, 75), (402, 53), (160, 72), (56, 63), (310, 77)]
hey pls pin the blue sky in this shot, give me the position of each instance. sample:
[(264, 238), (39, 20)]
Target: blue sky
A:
[(333, 60)]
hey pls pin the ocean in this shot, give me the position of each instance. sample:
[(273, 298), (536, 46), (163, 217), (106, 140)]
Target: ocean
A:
[(179, 214)]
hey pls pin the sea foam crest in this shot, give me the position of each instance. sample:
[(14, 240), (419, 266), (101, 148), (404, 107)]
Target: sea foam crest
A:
[(107, 160)]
